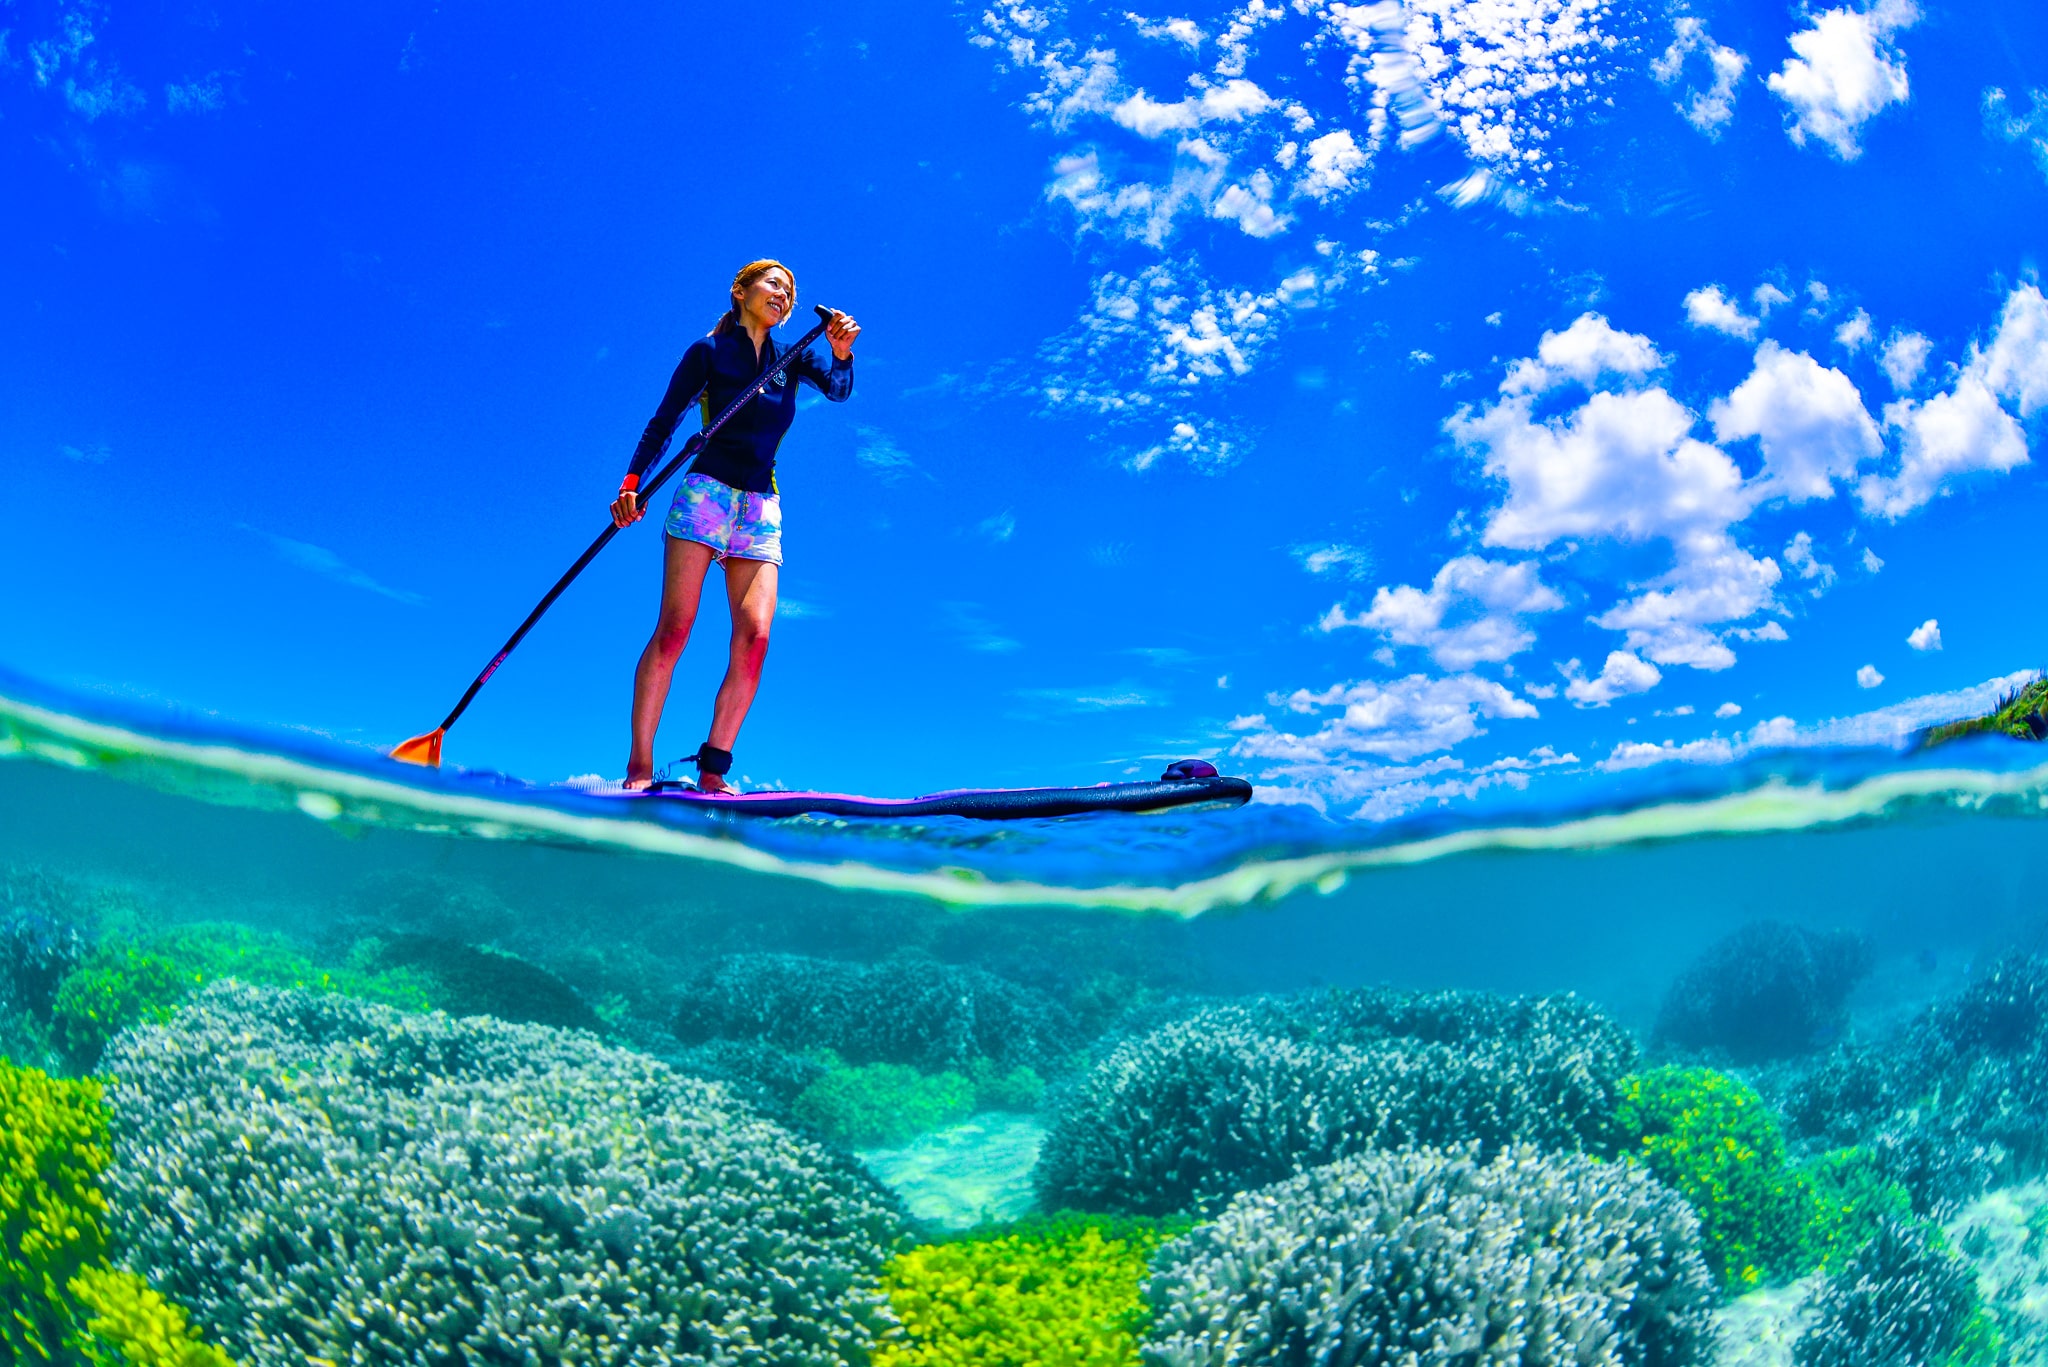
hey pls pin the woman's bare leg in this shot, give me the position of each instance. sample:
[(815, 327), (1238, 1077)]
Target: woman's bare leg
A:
[(682, 582), (750, 587)]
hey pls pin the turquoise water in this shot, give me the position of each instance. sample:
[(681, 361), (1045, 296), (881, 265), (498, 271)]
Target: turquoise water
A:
[(869, 1036)]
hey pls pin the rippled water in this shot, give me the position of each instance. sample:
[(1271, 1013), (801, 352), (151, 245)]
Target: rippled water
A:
[(1608, 887)]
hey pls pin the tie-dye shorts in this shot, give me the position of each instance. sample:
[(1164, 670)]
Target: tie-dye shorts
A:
[(735, 524)]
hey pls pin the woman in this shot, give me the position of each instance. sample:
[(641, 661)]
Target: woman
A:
[(727, 508)]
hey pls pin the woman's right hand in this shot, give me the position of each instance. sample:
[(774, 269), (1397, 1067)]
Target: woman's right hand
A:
[(626, 509)]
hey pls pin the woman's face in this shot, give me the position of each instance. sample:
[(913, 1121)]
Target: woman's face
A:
[(767, 300)]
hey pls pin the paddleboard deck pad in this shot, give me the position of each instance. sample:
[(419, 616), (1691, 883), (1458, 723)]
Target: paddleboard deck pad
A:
[(987, 804)]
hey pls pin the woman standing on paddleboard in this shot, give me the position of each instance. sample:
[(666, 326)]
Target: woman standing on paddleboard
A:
[(728, 508)]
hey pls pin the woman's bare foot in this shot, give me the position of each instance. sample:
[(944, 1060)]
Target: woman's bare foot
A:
[(713, 783), (639, 782)]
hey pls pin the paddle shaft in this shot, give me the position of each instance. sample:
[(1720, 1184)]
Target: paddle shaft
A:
[(690, 449)]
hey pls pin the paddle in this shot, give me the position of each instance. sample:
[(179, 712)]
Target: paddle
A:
[(427, 749)]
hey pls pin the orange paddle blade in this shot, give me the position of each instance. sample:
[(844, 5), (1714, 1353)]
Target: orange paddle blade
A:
[(420, 749)]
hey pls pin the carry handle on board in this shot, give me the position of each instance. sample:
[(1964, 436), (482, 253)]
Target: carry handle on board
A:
[(426, 749)]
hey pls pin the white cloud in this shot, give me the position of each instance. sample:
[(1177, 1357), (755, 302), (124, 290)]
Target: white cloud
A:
[(1903, 358), (1845, 69), (1641, 754), (325, 563), (1707, 307), (1202, 443), (1353, 562), (1801, 560), (1590, 348), (1966, 430), (1334, 164), (1624, 466), (1926, 636), (877, 453), (1622, 675), (1233, 101), (1808, 419), (2001, 122), (1498, 77), (1950, 435), (2016, 364), (1183, 31), (1473, 611), (1707, 110), (1871, 560), (1728, 709), (1854, 333), (1767, 297), (1621, 465), (1868, 677), (1399, 720), (1001, 527)]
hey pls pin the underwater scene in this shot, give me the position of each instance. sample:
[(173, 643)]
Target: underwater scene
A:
[(312, 1058)]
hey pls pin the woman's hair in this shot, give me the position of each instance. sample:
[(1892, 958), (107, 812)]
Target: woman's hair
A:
[(744, 281)]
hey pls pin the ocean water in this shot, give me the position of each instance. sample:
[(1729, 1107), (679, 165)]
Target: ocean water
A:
[(704, 1088)]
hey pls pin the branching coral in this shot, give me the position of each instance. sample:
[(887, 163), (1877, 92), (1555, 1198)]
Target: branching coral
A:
[(59, 1298), (318, 1177), (1423, 1256), (1237, 1097), (916, 1011), (1062, 1289), (125, 983), (1959, 1099), (1770, 990), (1712, 1139), (883, 1103), (1903, 1301), (467, 981)]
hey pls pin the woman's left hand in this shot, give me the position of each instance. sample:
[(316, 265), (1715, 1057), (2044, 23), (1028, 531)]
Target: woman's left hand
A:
[(840, 332)]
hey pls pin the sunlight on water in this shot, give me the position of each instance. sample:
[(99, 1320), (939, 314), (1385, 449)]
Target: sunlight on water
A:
[(903, 1047)]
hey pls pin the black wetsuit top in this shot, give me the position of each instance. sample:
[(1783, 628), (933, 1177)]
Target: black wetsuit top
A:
[(715, 369)]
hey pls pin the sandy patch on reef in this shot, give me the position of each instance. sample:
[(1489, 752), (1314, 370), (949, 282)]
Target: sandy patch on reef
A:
[(964, 1175), (2005, 1235), (1758, 1330)]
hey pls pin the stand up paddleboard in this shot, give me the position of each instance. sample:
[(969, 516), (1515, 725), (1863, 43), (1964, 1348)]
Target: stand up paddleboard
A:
[(1189, 784)]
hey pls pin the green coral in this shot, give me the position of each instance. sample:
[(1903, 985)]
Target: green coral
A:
[(126, 984), (53, 1147), (58, 1294), (1851, 1196), (1019, 1089), (1062, 1289), (883, 1103), (129, 1325), (1713, 1140)]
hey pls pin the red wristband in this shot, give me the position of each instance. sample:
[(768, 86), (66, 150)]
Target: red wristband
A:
[(630, 484)]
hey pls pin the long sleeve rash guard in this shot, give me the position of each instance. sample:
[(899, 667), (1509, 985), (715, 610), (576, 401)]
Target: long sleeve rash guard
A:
[(713, 371)]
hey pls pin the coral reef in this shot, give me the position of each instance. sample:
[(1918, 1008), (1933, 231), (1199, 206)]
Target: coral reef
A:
[(1061, 1289), (882, 1103), (1236, 1097), (1904, 1301), (1713, 1140), (468, 981), (317, 1177), (1770, 990), (1957, 1101), (60, 1299), (1762, 1219), (133, 982), (917, 1011), (1423, 1256)]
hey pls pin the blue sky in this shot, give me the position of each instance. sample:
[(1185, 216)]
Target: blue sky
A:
[(1392, 400)]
